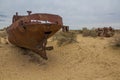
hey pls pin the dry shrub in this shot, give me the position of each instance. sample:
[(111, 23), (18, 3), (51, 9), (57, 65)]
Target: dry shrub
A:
[(3, 36), (80, 31), (87, 32), (117, 31), (3, 33), (1, 29), (93, 33), (116, 40), (76, 31), (64, 38), (110, 33)]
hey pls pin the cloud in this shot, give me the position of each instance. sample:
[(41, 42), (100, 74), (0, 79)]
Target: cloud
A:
[(74, 12), (2, 20), (3, 16)]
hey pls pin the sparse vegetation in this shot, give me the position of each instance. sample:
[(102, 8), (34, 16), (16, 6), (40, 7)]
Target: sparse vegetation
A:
[(86, 32), (64, 38), (3, 29), (116, 40), (3, 36), (93, 33), (77, 31), (3, 33)]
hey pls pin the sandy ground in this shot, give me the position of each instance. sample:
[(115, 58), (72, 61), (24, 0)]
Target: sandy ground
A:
[(89, 59)]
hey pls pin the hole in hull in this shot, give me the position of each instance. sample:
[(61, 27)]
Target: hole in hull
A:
[(48, 32)]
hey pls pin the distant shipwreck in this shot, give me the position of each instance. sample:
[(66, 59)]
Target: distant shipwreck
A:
[(32, 31)]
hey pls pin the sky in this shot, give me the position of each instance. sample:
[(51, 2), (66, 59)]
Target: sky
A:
[(75, 13)]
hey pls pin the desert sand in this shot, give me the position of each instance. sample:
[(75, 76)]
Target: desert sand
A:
[(89, 59)]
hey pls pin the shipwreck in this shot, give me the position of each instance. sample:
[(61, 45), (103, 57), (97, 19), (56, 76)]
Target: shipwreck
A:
[(32, 31)]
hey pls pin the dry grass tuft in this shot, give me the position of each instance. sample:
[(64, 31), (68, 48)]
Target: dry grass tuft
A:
[(3, 37), (93, 33), (64, 38), (116, 40), (86, 32), (3, 33)]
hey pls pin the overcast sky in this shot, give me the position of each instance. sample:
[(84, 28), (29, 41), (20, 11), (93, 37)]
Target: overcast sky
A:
[(75, 13)]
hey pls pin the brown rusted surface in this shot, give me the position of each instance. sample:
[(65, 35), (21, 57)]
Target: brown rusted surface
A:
[(33, 30), (105, 32)]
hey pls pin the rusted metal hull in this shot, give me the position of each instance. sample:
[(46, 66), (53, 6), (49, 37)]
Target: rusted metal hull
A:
[(33, 35)]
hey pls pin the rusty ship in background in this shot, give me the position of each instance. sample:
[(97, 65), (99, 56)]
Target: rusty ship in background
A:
[(32, 31)]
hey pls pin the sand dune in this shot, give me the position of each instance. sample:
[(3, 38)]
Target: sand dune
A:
[(89, 59)]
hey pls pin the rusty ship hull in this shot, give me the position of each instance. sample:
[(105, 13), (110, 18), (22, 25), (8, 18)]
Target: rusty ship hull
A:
[(33, 35)]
